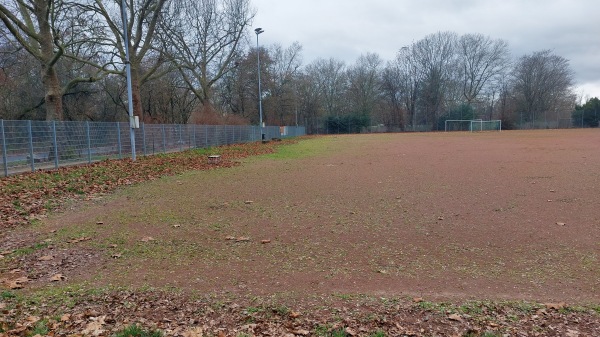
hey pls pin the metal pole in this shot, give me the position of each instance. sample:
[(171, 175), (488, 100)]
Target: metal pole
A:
[(30, 145), (55, 143), (4, 155), (89, 142), (144, 138), (128, 70), (119, 138), (262, 136)]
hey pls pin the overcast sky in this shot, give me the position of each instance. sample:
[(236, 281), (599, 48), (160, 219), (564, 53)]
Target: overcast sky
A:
[(345, 29)]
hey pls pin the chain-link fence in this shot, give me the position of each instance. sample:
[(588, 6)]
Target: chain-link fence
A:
[(34, 145)]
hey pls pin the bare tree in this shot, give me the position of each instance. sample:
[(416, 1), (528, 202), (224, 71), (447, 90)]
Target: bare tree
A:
[(283, 71), (145, 59), (363, 79), (207, 39), (435, 62), (481, 59), (330, 77), (32, 25), (542, 81)]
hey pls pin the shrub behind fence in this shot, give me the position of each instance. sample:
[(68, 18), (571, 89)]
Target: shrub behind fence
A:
[(33, 145)]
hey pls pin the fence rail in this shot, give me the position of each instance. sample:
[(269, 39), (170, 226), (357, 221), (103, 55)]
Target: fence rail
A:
[(33, 145)]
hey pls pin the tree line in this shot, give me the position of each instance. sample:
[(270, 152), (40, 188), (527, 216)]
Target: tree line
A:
[(194, 61)]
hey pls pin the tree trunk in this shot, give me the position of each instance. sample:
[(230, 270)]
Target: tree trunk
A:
[(136, 91), (53, 96)]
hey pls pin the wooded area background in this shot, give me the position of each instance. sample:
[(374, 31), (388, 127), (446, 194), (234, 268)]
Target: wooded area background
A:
[(195, 61)]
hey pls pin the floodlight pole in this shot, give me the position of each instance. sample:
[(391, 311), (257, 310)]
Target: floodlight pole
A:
[(128, 72), (262, 135)]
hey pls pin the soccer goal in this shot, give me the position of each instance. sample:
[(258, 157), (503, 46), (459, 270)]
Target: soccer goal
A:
[(472, 125)]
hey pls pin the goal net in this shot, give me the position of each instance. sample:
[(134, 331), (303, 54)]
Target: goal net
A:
[(472, 125)]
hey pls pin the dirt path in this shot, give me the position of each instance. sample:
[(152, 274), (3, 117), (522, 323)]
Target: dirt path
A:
[(511, 215)]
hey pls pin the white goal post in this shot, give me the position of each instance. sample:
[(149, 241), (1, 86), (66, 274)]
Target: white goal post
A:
[(472, 125)]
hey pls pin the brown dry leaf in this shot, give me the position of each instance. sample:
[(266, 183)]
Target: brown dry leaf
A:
[(112, 246), (350, 332), (221, 334), (301, 332), (294, 314), (176, 226), (33, 319), (417, 299), (572, 333), (147, 239), (99, 223), (22, 279), (248, 202), (65, 318), (7, 252), (13, 285), (193, 332), (116, 255), (561, 223), (455, 317), (265, 241), (1, 256), (15, 271), (57, 278), (230, 238), (46, 258), (242, 239), (555, 306), (93, 329)]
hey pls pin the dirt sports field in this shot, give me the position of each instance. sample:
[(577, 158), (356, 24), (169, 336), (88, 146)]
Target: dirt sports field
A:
[(348, 221)]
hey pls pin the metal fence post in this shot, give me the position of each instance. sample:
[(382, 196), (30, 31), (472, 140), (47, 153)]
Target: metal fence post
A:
[(4, 155), (89, 142), (119, 138), (30, 132), (144, 137), (180, 139), (54, 144), (194, 134), (205, 135), (164, 137)]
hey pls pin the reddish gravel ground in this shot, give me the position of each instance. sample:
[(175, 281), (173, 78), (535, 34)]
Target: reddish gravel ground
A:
[(455, 217)]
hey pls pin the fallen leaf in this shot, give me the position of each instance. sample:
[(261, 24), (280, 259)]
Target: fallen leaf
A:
[(555, 306), (417, 299), (112, 246), (242, 239), (93, 328), (382, 271), (248, 202), (455, 317), (193, 332), (294, 314), (46, 258), (147, 239), (116, 255), (176, 226), (265, 241), (230, 238), (65, 318), (221, 334), (1, 256), (301, 332), (99, 223), (33, 319), (440, 218), (15, 271), (22, 279), (572, 333), (561, 223), (7, 252), (57, 277), (350, 332), (13, 285)]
